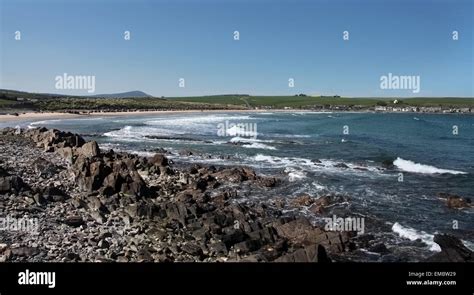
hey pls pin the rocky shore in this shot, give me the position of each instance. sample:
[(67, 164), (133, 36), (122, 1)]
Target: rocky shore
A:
[(106, 206)]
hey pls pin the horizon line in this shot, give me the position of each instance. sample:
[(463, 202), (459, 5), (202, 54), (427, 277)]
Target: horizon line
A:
[(233, 94)]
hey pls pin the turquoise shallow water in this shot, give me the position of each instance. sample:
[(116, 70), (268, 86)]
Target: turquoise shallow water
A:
[(321, 153)]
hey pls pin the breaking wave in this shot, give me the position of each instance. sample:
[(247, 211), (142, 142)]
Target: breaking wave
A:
[(410, 166)]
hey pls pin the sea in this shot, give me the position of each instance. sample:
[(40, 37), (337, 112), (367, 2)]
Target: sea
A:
[(389, 167)]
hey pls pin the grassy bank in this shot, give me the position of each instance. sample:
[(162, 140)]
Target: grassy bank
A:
[(310, 101), (16, 100)]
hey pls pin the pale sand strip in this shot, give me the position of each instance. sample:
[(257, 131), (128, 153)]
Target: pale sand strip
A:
[(58, 115)]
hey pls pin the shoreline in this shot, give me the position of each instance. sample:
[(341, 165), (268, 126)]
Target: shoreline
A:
[(31, 115), (156, 204), (145, 218), (65, 115)]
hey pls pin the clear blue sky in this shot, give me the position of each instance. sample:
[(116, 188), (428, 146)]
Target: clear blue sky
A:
[(278, 40)]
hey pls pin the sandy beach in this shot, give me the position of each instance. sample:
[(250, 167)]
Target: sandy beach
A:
[(61, 115)]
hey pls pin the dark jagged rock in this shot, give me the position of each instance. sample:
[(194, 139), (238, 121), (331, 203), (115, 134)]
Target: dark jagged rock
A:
[(11, 182), (388, 164), (45, 168), (89, 149), (341, 165), (74, 221), (159, 160), (241, 174), (123, 207), (452, 250), (311, 253), (301, 232)]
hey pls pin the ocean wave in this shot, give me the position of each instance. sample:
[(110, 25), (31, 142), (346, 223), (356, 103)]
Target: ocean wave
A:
[(257, 145), (318, 186), (248, 140), (252, 143), (54, 121), (238, 130), (139, 132), (413, 234), (310, 112), (292, 135), (294, 175), (410, 166), (182, 121), (45, 122), (307, 164)]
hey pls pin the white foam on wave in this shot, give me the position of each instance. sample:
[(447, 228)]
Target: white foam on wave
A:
[(248, 140), (410, 166), (294, 175), (257, 145), (318, 186), (306, 164), (200, 124), (123, 132), (413, 234), (283, 162), (253, 143), (310, 112), (138, 132), (52, 121), (292, 135), (45, 122), (196, 120)]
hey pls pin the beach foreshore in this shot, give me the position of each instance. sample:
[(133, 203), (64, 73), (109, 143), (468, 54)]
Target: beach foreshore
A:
[(65, 115), (36, 115), (90, 205)]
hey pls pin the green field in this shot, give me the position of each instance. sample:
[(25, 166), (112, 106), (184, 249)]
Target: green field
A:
[(55, 102), (310, 101), (6, 103), (123, 104)]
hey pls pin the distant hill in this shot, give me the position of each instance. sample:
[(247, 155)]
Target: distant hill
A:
[(16, 93), (135, 93)]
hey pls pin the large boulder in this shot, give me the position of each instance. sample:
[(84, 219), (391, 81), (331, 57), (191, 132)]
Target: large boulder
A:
[(241, 174), (11, 182), (66, 153), (452, 250), (45, 168), (52, 138), (90, 149), (235, 174), (301, 232), (311, 253), (159, 160)]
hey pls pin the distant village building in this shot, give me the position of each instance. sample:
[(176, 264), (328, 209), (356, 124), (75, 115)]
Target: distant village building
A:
[(20, 99)]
